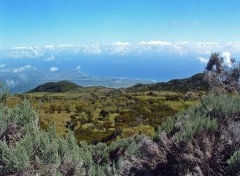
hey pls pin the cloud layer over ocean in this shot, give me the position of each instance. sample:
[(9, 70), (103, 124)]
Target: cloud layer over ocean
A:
[(123, 48)]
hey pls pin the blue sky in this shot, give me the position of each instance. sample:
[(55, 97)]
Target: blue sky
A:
[(43, 22)]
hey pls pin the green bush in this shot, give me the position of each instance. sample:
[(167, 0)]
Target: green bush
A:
[(202, 117), (195, 127), (234, 161), (219, 106), (141, 129), (23, 114), (16, 159), (4, 118)]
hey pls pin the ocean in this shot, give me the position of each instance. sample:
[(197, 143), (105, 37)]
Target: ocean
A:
[(115, 71)]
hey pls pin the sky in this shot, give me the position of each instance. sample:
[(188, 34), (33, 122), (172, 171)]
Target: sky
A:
[(55, 22)]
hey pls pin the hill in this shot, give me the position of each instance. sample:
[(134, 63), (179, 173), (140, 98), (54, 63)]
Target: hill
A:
[(194, 83), (56, 87)]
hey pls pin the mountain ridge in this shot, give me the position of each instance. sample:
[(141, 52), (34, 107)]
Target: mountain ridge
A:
[(195, 82)]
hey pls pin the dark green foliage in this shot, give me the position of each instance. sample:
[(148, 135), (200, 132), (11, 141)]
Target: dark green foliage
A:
[(196, 82), (104, 113), (234, 162), (55, 87), (144, 112)]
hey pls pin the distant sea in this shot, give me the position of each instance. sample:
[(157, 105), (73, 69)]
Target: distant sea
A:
[(158, 68), (97, 70)]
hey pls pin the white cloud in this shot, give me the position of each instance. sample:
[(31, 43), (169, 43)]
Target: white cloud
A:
[(21, 52), (120, 48), (51, 58), (52, 47), (160, 43), (67, 45), (121, 43), (79, 70), (227, 58), (20, 48), (78, 67), (4, 69), (89, 49), (203, 60), (53, 69), (24, 68)]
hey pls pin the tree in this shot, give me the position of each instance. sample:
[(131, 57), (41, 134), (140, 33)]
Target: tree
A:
[(222, 77)]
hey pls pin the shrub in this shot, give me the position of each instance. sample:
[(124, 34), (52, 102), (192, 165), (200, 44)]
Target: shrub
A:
[(195, 127), (142, 129), (23, 114), (15, 159), (4, 118), (234, 162), (202, 116), (219, 106)]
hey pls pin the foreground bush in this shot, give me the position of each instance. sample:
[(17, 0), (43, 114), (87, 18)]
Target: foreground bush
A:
[(203, 140), (27, 150)]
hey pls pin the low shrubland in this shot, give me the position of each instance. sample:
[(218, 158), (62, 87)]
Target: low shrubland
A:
[(202, 140)]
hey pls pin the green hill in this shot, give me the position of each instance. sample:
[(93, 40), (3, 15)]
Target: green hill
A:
[(195, 82), (56, 87)]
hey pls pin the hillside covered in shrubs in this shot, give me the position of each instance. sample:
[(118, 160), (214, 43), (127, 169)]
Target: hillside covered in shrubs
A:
[(194, 83), (56, 87), (202, 139), (98, 114)]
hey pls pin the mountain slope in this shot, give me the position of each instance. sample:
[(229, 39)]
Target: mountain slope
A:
[(196, 82), (56, 87)]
